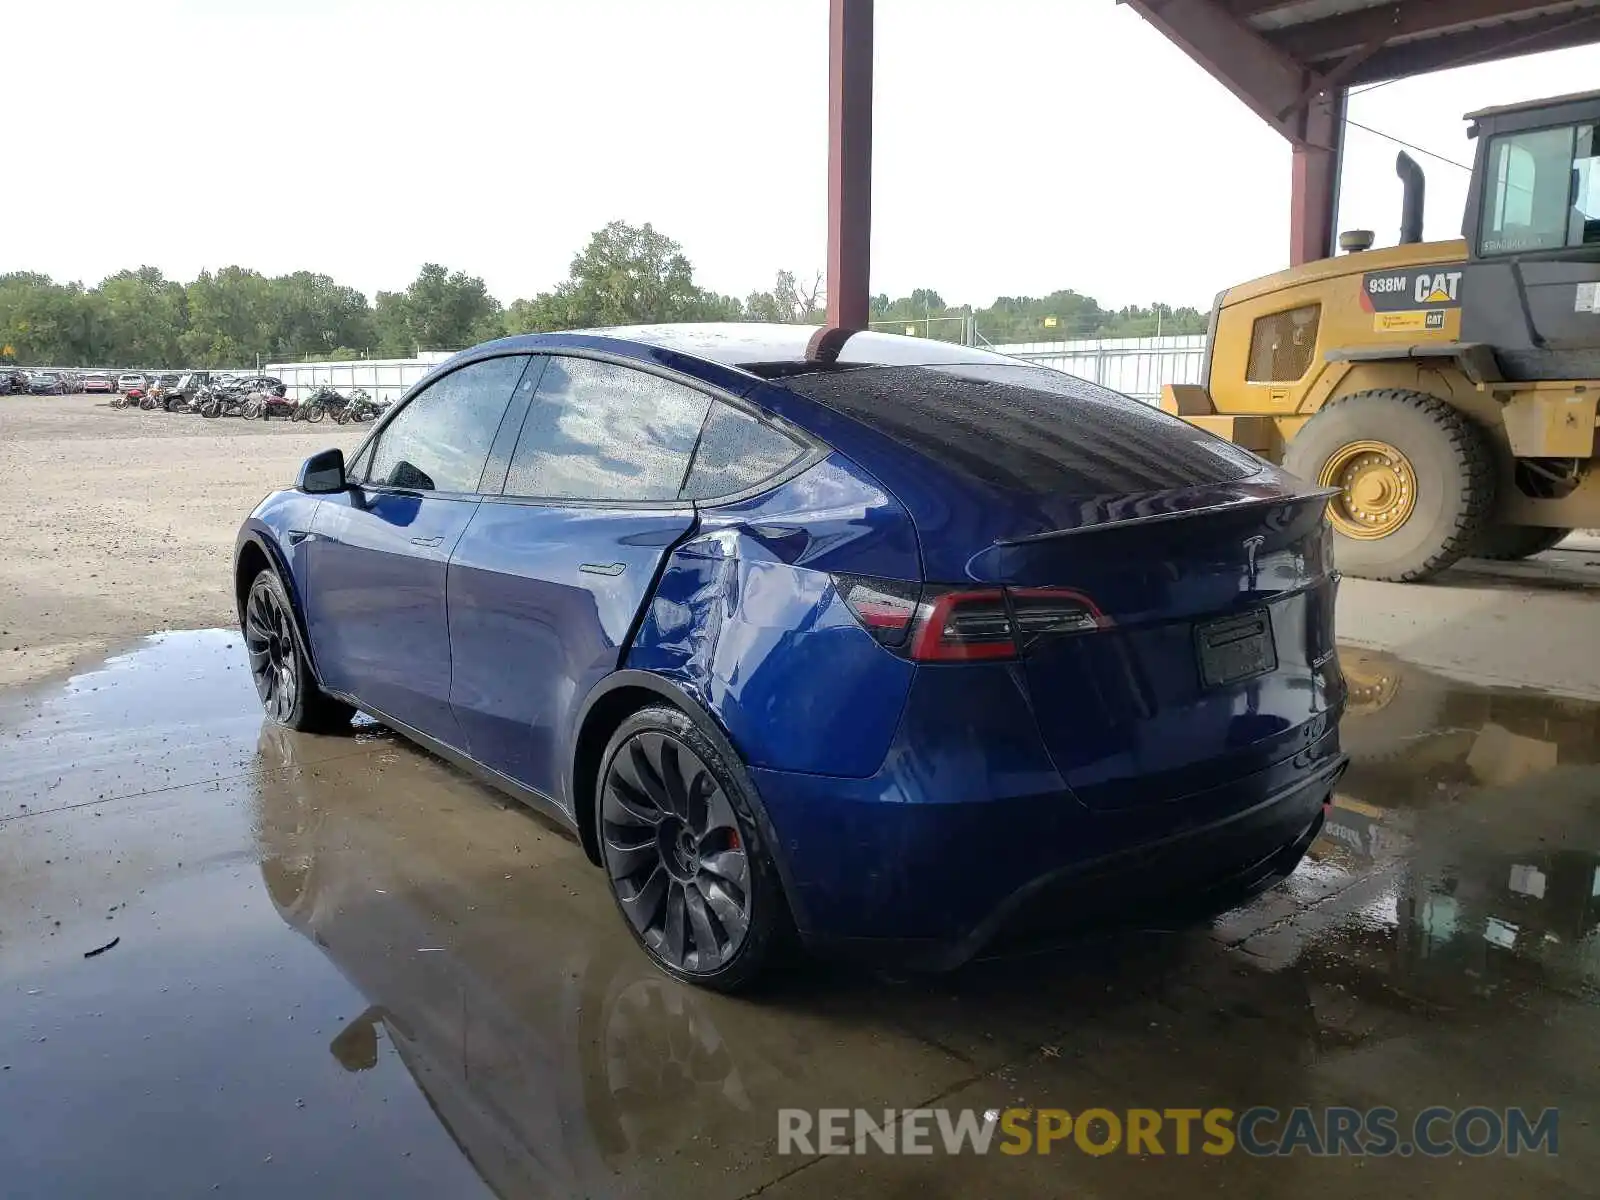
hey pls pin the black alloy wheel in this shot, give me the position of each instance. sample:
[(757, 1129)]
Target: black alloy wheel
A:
[(283, 679), (683, 854)]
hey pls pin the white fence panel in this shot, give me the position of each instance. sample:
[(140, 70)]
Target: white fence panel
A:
[(383, 378), (1137, 367)]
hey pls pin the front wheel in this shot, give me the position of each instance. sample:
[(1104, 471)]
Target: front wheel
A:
[(1415, 480), (1508, 543), (685, 856), (283, 679)]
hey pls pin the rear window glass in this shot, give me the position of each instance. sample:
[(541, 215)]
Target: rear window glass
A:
[(736, 452), (1029, 429)]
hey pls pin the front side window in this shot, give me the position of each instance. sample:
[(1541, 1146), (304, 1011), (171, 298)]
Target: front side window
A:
[(1530, 201), (599, 431), (440, 440)]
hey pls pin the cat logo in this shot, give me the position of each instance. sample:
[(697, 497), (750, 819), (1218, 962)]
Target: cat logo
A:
[(1435, 320), (1433, 287), (1442, 287)]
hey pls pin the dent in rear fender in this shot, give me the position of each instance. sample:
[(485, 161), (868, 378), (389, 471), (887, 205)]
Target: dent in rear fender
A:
[(775, 655)]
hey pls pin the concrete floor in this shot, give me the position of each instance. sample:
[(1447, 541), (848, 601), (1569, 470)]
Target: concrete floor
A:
[(346, 970)]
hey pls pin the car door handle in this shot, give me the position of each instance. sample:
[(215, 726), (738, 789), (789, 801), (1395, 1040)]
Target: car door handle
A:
[(430, 543), (602, 568), (296, 536)]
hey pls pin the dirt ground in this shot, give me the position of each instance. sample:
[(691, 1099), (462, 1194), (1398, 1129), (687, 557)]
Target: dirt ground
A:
[(117, 523)]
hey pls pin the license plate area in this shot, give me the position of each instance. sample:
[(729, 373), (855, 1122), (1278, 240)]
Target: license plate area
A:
[(1235, 648)]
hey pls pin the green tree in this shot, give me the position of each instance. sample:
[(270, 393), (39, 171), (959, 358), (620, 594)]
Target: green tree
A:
[(313, 315), (146, 316), (789, 301), (46, 322), (626, 275), (439, 311), (231, 315)]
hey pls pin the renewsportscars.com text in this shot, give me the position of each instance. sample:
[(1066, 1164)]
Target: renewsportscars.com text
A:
[(1260, 1131)]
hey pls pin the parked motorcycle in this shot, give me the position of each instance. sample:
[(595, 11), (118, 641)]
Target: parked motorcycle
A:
[(222, 403), (318, 405), (360, 409), (274, 403)]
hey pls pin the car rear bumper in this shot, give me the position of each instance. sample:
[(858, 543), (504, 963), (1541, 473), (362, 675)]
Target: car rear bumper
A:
[(930, 885)]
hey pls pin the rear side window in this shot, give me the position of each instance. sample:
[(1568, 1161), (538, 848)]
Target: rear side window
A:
[(599, 431), (737, 452), (1029, 429)]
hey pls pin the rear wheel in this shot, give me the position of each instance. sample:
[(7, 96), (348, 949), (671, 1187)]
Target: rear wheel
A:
[(283, 679), (1507, 543), (1416, 481), (684, 854)]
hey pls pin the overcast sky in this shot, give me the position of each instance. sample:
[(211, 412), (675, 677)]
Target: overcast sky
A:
[(1021, 145)]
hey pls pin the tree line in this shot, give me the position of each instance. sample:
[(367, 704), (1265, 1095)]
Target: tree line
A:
[(625, 275)]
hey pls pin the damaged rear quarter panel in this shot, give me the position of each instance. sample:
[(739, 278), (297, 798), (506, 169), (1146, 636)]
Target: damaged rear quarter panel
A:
[(745, 618)]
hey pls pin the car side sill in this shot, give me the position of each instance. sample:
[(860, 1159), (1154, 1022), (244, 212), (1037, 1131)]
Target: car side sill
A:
[(546, 806)]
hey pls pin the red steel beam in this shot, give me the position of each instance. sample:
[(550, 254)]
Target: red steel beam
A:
[(1331, 37), (1281, 91), (849, 161), (1531, 35), (1314, 192), (1268, 80)]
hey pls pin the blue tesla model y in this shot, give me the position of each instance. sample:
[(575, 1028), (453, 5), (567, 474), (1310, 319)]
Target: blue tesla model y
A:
[(901, 646)]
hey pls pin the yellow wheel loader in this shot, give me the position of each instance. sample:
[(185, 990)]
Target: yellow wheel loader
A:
[(1447, 389)]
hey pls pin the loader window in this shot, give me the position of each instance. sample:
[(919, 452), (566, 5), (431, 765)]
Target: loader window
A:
[(1585, 227), (1529, 191), (1282, 345)]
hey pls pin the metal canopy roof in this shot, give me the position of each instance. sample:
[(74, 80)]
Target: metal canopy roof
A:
[(1294, 61), (1390, 38)]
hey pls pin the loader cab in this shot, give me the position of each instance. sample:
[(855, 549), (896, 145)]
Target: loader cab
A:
[(1536, 180), (1532, 226)]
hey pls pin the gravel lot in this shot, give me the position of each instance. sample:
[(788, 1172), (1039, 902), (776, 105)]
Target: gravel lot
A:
[(116, 522)]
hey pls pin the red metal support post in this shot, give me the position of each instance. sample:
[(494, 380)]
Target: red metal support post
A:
[(849, 161), (1314, 196)]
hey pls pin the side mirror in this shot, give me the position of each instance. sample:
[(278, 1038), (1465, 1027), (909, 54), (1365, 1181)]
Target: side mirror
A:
[(322, 473)]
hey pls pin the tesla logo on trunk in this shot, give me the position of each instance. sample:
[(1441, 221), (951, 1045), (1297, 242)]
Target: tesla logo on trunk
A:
[(1252, 547)]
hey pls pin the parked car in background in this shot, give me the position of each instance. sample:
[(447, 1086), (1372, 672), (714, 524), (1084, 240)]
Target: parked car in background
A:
[(47, 383), (910, 645), (99, 382), (130, 380), (182, 391)]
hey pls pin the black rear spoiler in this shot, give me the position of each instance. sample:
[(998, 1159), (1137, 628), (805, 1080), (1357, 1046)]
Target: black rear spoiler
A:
[(1182, 514)]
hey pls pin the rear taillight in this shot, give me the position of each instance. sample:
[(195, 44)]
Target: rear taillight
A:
[(886, 607), (965, 624)]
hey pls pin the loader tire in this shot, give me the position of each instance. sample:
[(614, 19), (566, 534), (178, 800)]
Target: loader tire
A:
[(1417, 480), (1508, 543)]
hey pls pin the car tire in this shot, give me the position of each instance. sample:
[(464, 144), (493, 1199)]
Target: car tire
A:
[(684, 854), (1508, 543), (284, 681), (1419, 444)]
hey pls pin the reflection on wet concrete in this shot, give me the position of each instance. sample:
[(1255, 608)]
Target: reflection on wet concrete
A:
[(345, 969)]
